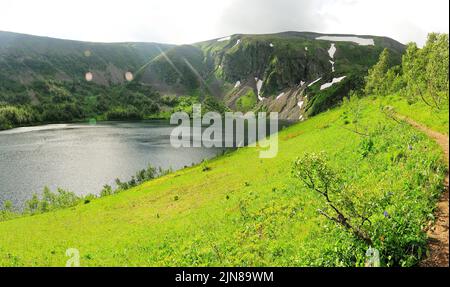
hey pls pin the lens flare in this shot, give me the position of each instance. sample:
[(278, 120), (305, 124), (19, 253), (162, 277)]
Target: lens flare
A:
[(129, 76), (89, 76)]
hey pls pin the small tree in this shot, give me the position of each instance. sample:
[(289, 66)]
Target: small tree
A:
[(106, 191), (313, 170), (353, 113), (425, 71), (436, 69), (376, 79), (7, 206)]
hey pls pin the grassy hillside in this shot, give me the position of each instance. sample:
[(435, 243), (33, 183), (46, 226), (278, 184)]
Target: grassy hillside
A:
[(434, 119), (246, 211)]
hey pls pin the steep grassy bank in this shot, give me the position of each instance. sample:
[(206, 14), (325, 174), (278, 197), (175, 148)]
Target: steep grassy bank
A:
[(246, 211)]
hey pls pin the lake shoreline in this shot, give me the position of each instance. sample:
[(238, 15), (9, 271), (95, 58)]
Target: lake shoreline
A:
[(59, 156)]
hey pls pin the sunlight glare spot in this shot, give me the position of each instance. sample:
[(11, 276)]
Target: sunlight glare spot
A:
[(129, 76), (89, 76)]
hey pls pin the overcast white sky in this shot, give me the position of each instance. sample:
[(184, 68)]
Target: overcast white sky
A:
[(188, 21)]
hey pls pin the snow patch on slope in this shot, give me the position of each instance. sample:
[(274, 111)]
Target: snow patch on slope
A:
[(358, 40), (315, 82), (259, 84), (335, 81), (332, 50)]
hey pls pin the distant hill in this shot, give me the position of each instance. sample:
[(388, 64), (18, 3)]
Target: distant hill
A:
[(26, 58)]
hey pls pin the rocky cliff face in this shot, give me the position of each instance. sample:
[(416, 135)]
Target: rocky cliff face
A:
[(297, 74)]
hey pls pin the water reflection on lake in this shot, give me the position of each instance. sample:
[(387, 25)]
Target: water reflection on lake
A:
[(82, 158)]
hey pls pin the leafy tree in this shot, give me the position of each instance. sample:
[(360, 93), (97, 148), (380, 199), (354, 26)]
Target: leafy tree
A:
[(353, 112), (412, 74), (11, 116), (436, 58), (106, 191), (425, 71), (51, 201), (376, 79), (422, 75)]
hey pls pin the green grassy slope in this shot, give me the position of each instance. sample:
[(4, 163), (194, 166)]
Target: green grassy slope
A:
[(247, 211), (433, 118)]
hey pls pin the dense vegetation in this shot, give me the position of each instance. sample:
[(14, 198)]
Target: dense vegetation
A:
[(67, 102), (247, 102), (11, 116), (56, 101), (421, 77)]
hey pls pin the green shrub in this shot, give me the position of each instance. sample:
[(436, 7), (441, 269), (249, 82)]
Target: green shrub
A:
[(392, 215), (120, 113), (50, 201)]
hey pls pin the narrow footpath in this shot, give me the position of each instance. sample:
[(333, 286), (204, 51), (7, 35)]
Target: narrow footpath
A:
[(438, 233)]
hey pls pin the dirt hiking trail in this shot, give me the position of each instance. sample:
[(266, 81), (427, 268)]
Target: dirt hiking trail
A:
[(438, 233)]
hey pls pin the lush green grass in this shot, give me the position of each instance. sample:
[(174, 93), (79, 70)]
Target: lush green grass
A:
[(431, 117), (247, 211)]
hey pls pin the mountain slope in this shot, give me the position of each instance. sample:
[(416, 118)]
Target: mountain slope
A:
[(52, 80), (270, 65), (25, 58), (244, 211), (297, 74)]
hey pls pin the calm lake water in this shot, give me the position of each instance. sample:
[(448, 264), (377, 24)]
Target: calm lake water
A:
[(82, 158)]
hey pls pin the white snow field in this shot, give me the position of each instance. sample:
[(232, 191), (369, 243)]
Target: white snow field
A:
[(358, 40), (335, 81)]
